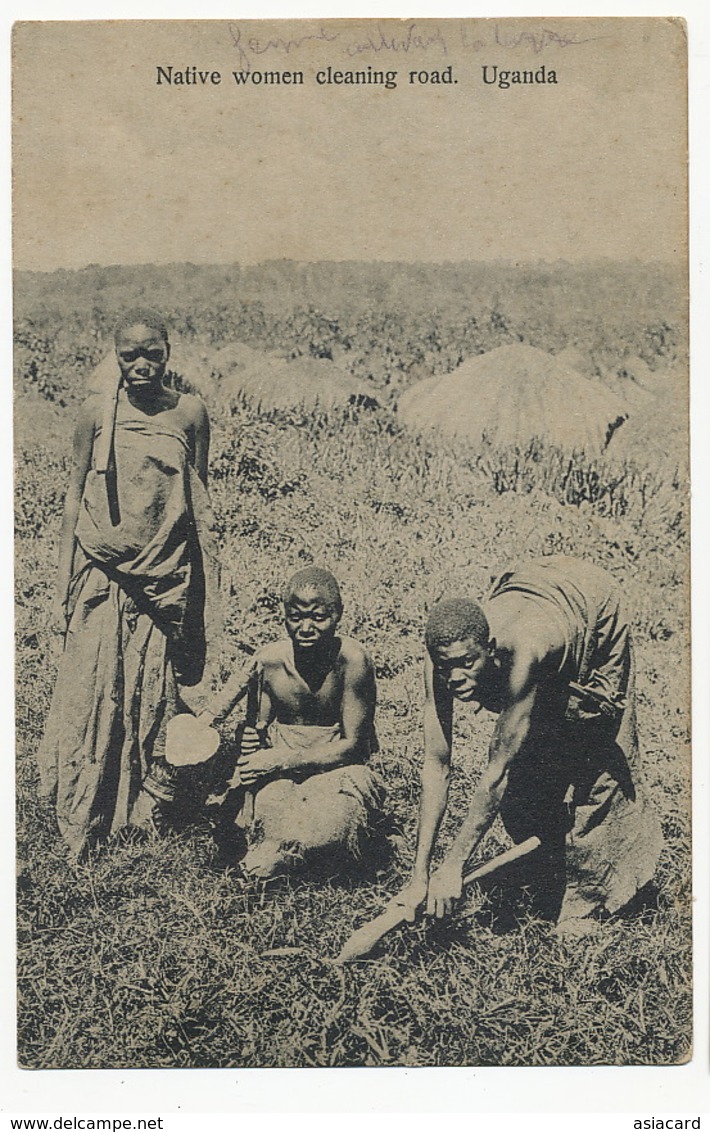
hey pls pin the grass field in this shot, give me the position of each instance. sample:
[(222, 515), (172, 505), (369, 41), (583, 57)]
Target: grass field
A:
[(152, 954)]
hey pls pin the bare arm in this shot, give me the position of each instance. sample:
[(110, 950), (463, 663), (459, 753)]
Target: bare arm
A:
[(436, 772), (225, 700), (81, 462), (512, 729), (200, 428), (202, 443)]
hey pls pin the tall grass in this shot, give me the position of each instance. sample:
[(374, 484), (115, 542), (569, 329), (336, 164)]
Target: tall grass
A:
[(154, 954)]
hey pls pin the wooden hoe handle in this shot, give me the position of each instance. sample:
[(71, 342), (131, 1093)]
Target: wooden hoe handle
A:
[(256, 687), (362, 941), (104, 447)]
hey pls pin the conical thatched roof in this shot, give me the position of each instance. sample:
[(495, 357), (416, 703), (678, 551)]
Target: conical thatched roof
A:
[(574, 358), (656, 433), (277, 383), (511, 395)]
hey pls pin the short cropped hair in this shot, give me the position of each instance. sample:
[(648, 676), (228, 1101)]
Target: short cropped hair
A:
[(141, 316), (313, 577), (456, 619)]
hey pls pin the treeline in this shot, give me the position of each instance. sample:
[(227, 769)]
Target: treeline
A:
[(389, 323), (527, 291)]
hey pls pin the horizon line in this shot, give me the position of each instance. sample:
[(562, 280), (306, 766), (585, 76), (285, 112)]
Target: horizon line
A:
[(672, 262)]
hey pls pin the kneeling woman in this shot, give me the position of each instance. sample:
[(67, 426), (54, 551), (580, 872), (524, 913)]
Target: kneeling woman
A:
[(308, 792)]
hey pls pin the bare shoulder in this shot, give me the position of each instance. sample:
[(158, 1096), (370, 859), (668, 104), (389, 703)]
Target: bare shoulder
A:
[(192, 409), (531, 642), (88, 421), (91, 411), (275, 652), (355, 657)]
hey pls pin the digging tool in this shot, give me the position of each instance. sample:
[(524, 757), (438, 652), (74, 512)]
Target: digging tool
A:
[(362, 941), (105, 456), (189, 741), (191, 738), (251, 719)]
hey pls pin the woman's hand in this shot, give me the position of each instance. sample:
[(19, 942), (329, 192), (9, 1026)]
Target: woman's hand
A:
[(445, 889)]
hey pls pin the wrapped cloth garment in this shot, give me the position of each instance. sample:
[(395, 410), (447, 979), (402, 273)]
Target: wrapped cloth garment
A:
[(293, 819), (577, 781), (136, 631)]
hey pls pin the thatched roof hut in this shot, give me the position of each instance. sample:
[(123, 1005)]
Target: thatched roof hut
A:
[(511, 395), (656, 433), (278, 384)]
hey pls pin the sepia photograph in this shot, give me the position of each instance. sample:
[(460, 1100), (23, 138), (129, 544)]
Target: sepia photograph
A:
[(352, 563)]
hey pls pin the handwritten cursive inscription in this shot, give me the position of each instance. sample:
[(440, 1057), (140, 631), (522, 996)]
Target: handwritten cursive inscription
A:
[(249, 46), (538, 40), (410, 39)]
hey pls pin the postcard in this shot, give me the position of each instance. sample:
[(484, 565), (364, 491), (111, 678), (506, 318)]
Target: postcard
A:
[(352, 543)]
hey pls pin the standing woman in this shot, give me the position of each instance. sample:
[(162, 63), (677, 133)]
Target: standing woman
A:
[(130, 594)]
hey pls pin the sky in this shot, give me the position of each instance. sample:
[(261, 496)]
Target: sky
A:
[(111, 166)]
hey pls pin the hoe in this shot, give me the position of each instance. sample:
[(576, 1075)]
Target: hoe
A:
[(362, 941)]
